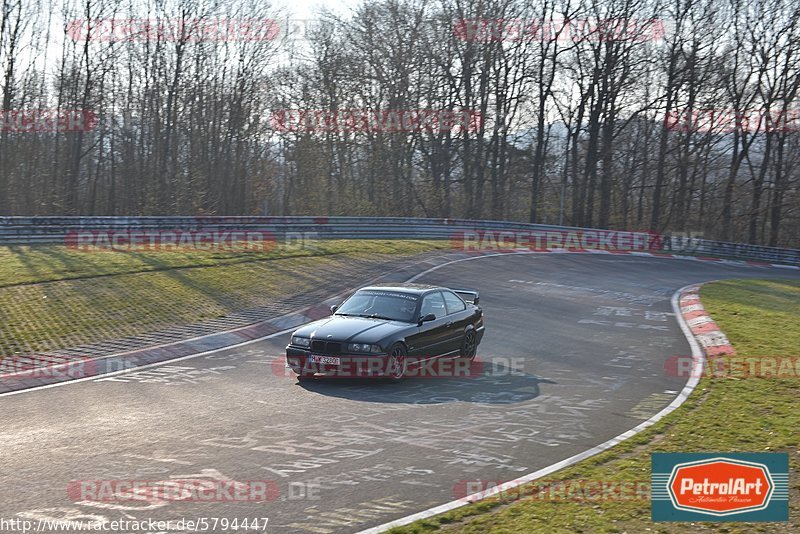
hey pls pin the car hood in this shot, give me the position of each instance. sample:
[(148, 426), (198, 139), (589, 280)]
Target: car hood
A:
[(351, 329)]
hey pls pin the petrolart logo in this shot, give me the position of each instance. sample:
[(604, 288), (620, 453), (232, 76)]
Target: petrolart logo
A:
[(720, 487)]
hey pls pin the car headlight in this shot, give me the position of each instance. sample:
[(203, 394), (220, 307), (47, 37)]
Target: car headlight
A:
[(301, 341), (363, 347)]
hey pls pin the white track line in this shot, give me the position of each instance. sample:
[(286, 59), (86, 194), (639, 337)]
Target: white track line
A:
[(147, 366), (698, 359), (437, 267)]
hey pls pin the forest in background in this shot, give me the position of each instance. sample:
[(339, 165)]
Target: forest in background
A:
[(584, 108)]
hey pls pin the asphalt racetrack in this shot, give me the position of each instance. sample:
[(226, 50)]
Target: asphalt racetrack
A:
[(574, 351)]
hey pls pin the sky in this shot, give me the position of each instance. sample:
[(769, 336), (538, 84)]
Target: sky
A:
[(303, 9)]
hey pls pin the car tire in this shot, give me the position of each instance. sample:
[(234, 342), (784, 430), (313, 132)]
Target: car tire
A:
[(305, 377), (469, 345), (396, 363)]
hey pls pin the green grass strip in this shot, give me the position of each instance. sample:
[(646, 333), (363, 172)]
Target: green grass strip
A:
[(53, 297)]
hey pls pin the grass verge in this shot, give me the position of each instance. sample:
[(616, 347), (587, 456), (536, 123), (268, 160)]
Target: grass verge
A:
[(32, 264), (722, 414), (53, 297)]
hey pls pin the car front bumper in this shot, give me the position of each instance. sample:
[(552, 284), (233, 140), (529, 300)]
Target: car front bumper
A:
[(349, 366)]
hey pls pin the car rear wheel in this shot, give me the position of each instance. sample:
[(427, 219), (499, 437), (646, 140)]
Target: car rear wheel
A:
[(396, 363), (469, 347)]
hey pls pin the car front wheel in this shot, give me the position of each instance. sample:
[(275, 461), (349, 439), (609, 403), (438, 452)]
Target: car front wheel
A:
[(304, 376), (396, 363)]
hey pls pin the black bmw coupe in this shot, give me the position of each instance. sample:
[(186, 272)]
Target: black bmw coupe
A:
[(389, 330)]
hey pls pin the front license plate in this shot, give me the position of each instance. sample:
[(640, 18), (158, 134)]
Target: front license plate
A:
[(330, 360)]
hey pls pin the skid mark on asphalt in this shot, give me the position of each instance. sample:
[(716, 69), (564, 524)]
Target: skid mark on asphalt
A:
[(562, 290), (431, 432), (325, 522), (171, 375), (651, 405), (633, 316)]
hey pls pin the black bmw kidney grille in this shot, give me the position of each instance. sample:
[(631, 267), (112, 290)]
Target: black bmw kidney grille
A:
[(326, 347)]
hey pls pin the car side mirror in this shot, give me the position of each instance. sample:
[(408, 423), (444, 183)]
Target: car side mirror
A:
[(426, 318), (334, 308)]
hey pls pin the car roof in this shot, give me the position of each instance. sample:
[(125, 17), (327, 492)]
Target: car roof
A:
[(413, 289)]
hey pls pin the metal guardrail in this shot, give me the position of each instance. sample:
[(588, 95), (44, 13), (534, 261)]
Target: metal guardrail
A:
[(32, 230), (696, 246)]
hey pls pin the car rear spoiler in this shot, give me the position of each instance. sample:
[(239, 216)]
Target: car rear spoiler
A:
[(473, 297)]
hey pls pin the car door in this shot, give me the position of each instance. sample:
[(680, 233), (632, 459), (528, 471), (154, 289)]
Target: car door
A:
[(433, 337), (459, 317)]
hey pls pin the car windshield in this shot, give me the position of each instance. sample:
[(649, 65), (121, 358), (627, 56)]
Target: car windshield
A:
[(388, 305)]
